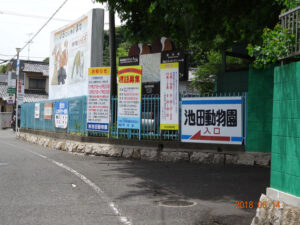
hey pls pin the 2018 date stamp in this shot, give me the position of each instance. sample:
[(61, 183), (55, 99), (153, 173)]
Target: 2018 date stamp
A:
[(252, 204)]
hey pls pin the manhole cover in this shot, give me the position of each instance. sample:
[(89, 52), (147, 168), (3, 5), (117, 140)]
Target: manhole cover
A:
[(177, 203)]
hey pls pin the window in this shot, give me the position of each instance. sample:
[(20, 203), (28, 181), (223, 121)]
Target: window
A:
[(37, 83)]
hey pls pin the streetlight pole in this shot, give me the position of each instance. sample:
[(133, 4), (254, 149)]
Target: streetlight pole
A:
[(17, 73)]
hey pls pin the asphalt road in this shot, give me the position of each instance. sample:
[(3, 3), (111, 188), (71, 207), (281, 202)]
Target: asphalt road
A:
[(40, 186)]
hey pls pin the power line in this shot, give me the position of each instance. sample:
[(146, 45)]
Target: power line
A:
[(5, 12), (51, 17)]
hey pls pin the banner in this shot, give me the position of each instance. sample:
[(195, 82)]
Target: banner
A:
[(73, 49), (129, 97), (98, 105), (212, 120), (61, 114), (169, 96), (37, 110), (20, 91), (48, 107)]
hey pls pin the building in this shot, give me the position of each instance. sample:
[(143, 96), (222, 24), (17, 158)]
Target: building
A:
[(35, 77)]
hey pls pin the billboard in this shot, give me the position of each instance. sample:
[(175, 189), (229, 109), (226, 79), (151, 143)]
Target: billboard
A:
[(61, 114), (98, 105), (129, 97), (212, 120), (169, 96), (73, 49)]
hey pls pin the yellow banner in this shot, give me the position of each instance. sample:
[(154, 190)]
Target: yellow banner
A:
[(169, 65), (169, 126), (130, 75), (95, 71)]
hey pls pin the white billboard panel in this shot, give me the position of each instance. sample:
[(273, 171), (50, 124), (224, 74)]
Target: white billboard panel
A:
[(212, 120), (73, 49)]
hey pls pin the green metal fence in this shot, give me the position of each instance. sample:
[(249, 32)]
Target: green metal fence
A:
[(76, 116)]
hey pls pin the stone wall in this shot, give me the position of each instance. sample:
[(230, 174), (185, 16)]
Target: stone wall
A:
[(149, 153), (270, 214)]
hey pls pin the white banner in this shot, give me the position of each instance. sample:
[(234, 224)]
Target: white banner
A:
[(20, 91), (72, 51), (37, 110), (169, 96), (212, 120), (98, 106)]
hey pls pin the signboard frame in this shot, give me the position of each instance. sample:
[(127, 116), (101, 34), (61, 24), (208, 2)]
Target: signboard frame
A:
[(169, 100), (61, 112), (48, 110), (215, 120), (37, 110), (99, 99), (129, 82)]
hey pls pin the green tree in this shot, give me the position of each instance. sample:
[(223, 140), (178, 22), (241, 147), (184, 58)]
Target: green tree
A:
[(121, 44), (197, 21), (3, 68), (46, 60), (210, 67)]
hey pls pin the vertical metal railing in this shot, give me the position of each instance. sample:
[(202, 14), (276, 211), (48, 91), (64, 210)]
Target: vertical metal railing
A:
[(150, 118), (291, 20)]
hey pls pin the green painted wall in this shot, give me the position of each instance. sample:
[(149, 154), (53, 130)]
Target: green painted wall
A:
[(285, 164), (260, 110)]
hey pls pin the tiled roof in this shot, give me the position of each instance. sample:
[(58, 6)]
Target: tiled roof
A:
[(36, 68), (27, 97), (32, 66)]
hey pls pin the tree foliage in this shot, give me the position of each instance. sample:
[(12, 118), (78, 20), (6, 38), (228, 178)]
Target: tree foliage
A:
[(205, 75), (197, 21), (3, 68), (276, 43), (122, 45)]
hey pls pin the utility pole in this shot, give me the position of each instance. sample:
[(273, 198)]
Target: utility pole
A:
[(29, 42), (112, 44), (18, 74)]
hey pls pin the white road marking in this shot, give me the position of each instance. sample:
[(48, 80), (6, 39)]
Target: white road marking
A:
[(123, 219)]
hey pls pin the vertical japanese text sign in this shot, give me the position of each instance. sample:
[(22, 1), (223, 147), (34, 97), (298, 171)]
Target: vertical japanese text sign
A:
[(61, 114), (169, 96), (129, 97), (212, 120), (48, 107), (37, 110), (98, 105)]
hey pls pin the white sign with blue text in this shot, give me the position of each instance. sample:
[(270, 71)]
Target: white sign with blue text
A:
[(212, 120), (61, 114)]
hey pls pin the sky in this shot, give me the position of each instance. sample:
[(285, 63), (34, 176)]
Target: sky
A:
[(16, 29)]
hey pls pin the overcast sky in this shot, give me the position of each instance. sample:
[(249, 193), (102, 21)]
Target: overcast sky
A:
[(15, 30)]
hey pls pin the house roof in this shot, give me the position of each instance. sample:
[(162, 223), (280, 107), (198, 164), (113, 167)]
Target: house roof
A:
[(33, 66), (28, 97), (36, 68)]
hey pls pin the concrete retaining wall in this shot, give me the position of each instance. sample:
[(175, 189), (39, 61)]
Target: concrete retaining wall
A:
[(149, 153)]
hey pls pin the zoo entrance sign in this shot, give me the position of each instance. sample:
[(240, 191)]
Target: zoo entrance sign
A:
[(212, 120)]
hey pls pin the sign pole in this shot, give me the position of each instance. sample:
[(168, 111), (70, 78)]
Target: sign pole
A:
[(17, 101)]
